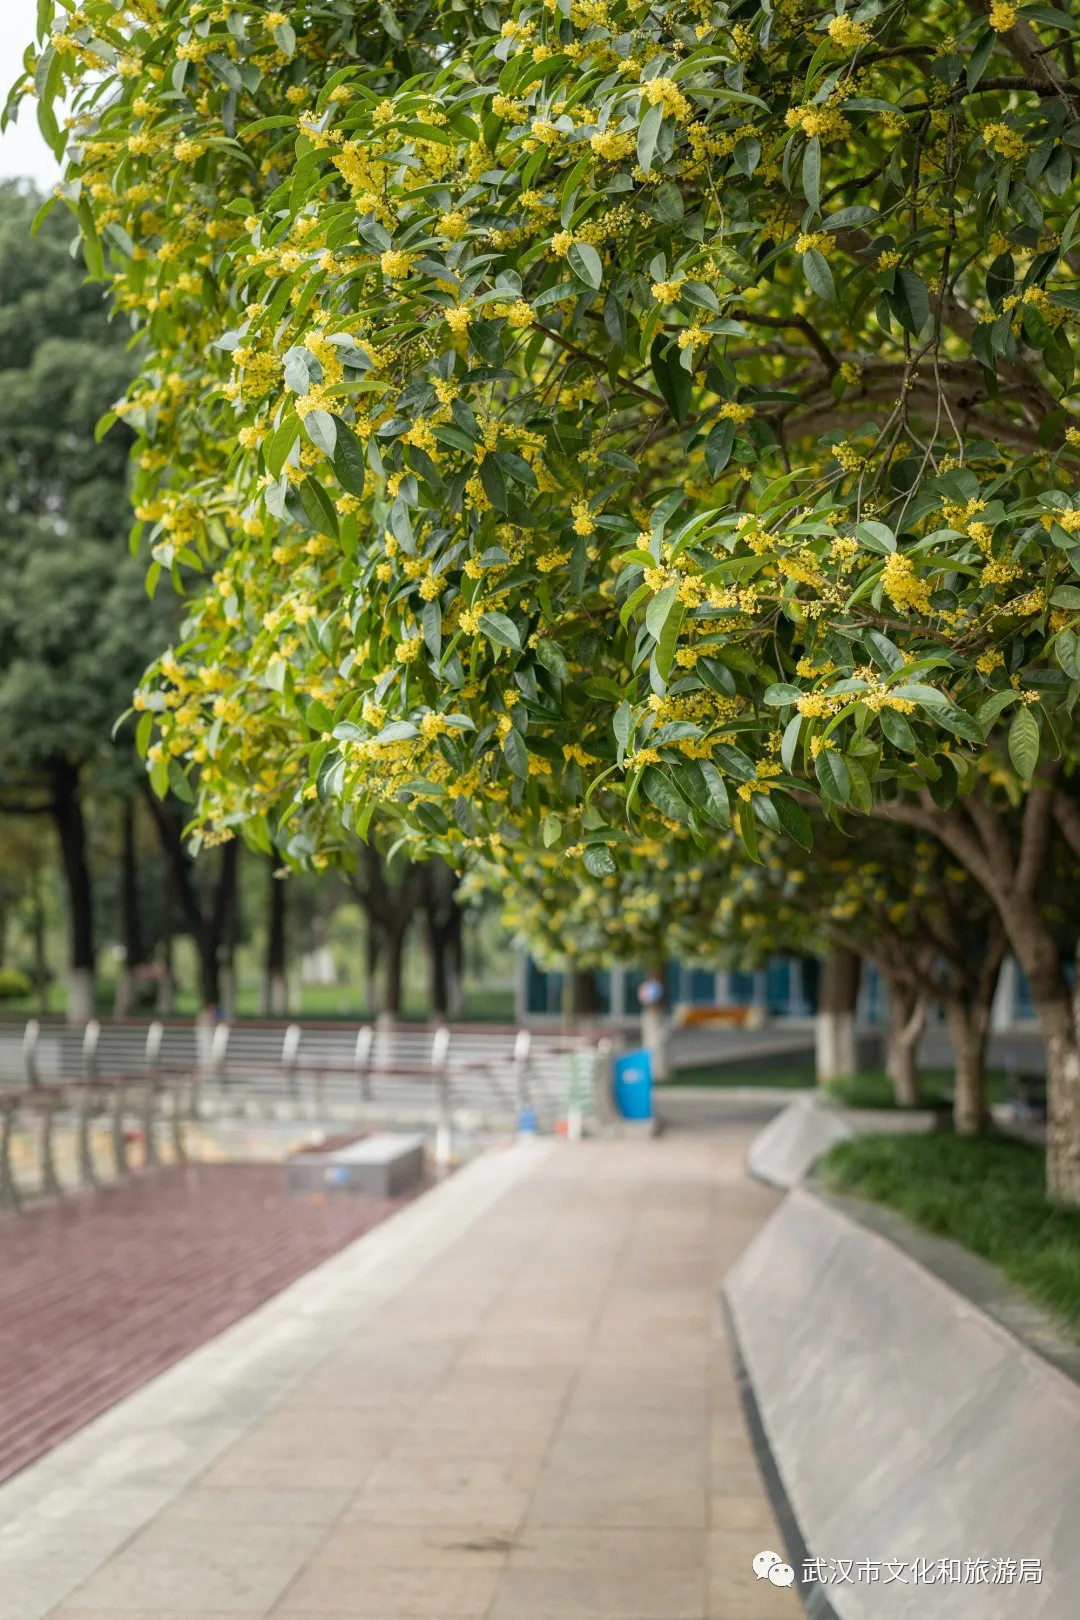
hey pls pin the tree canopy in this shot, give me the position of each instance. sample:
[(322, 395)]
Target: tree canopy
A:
[(598, 407)]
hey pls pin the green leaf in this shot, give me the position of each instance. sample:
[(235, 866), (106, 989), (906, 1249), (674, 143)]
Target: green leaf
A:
[(396, 731), (1066, 596), (551, 830), (960, 723), (832, 773), (431, 624), (994, 706), (1024, 739), (898, 731), (586, 264), (318, 508), (658, 609), (876, 537), (909, 301), (984, 47), (811, 173), (321, 429), (666, 798), (501, 630), (718, 447), (790, 742), (648, 131), (794, 819), (747, 155), (668, 638), (285, 38), (817, 272), (515, 752), (349, 464), (779, 695), (599, 861), (671, 379), (719, 806), (494, 482), (550, 654), (748, 833)]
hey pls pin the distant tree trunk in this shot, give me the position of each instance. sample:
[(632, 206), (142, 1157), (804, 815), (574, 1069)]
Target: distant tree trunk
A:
[(393, 949), (225, 926), (275, 988), (131, 923), (37, 930), (213, 928), (967, 1012), (835, 1031), (66, 805), (372, 1003), (907, 1020), (442, 933), (166, 985)]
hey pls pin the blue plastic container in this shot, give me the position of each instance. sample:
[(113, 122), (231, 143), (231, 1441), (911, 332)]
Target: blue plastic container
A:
[(633, 1084)]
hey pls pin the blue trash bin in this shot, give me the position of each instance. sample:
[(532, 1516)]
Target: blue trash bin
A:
[(633, 1084)]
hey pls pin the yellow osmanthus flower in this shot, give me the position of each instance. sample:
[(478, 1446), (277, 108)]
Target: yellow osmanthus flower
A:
[(1002, 17), (905, 590), (847, 34), (1005, 141)]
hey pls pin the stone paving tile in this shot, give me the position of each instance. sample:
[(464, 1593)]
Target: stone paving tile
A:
[(357, 1543), (372, 1592), (544, 1425), (183, 1580), (599, 1594)]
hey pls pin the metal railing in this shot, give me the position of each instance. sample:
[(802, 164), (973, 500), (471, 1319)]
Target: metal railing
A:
[(36, 1120), (475, 1075)]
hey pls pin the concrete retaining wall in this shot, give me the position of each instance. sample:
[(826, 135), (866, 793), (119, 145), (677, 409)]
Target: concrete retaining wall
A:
[(906, 1424), (790, 1145)]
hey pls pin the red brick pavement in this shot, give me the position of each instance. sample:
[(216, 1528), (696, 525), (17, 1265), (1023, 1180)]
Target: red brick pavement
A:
[(98, 1293)]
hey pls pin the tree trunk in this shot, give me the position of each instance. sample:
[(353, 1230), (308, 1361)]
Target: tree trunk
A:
[(1036, 950), (371, 971), (225, 926), (393, 942), (835, 1025), (37, 928), (275, 990), (66, 806), (907, 1020), (967, 1036), (438, 983), (131, 923)]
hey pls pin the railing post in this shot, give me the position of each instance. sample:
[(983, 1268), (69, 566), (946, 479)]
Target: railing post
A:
[(50, 1181), (362, 1060), (119, 1145), (440, 1050), (290, 1054), (150, 1152), (30, 1052), (9, 1187), (87, 1174), (522, 1048), (91, 1037), (219, 1051), (155, 1034), (179, 1141)]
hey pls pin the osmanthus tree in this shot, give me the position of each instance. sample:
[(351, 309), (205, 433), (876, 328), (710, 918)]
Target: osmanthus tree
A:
[(661, 903), (673, 394), (899, 900)]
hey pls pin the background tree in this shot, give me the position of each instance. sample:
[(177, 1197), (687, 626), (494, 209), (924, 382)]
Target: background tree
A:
[(76, 628)]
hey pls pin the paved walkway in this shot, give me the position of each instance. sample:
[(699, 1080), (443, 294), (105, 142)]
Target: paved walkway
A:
[(511, 1401)]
